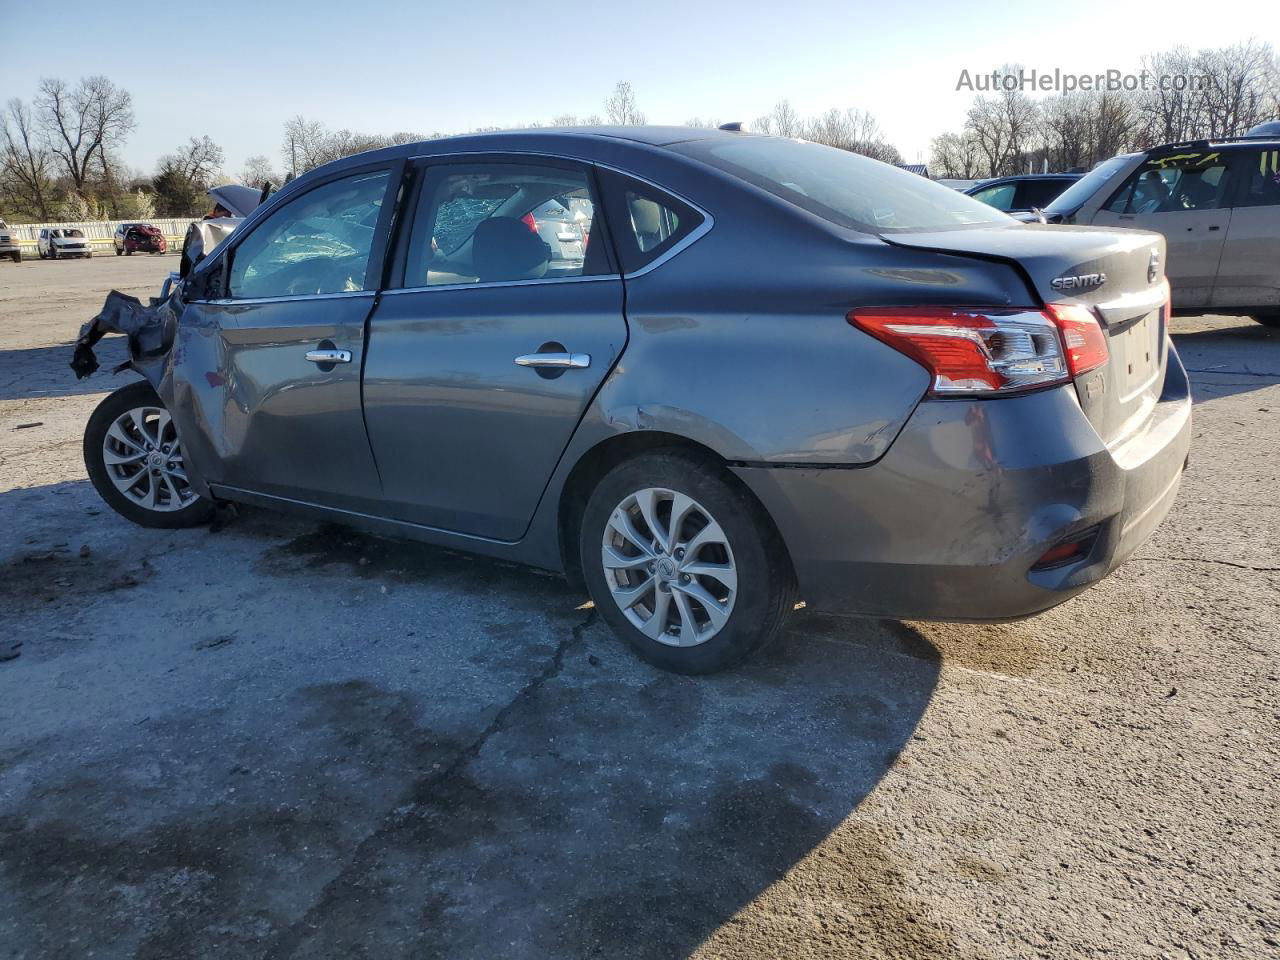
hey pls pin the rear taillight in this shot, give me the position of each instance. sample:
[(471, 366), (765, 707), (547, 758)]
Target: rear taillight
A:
[(1086, 343), (978, 350), (529, 222)]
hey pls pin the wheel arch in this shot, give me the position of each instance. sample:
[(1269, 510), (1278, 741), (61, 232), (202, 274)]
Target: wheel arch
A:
[(599, 459)]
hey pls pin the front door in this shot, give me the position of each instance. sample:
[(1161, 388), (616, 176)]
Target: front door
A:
[(1184, 196), (267, 376), (507, 316)]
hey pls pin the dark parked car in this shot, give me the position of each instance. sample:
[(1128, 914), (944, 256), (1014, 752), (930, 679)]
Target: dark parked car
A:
[(131, 238), (1022, 193), (903, 404)]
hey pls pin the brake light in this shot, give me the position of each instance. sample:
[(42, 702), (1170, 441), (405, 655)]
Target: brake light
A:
[(1086, 343), (980, 350), (971, 350), (529, 222)]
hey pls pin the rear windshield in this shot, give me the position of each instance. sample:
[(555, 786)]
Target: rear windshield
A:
[(1071, 199), (846, 188)]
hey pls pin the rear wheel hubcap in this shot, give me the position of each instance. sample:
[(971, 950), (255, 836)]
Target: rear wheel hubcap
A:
[(669, 567)]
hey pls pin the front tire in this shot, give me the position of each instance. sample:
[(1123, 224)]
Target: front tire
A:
[(683, 563), (136, 464)]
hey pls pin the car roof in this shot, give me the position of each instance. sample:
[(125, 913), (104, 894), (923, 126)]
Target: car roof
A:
[(1221, 143), (1033, 176)]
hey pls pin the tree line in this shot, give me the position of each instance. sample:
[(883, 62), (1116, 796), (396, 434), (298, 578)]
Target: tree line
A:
[(60, 153), (1225, 92), (60, 159)]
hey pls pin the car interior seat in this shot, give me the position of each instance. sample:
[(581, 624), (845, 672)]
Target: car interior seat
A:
[(503, 248)]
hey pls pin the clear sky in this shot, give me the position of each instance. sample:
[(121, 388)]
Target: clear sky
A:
[(236, 70)]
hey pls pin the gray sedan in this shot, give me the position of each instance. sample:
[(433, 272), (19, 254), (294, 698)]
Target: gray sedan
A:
[(770, 371)]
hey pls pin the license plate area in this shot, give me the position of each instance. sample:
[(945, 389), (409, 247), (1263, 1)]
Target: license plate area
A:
[(1136, 349)]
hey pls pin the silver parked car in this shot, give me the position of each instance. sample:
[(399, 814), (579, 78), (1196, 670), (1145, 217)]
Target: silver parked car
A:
[(1217, 203), (55, 243), (901, 403)]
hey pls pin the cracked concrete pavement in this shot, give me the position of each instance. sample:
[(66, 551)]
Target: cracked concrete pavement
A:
[(280, 739)]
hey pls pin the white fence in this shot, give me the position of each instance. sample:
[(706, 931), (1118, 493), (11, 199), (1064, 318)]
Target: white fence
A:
[(99, 232)]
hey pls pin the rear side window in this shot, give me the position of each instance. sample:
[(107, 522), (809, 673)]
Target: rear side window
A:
[(496, 222), (1260, 179), (648, 223), (1170, 184), (842, 187)]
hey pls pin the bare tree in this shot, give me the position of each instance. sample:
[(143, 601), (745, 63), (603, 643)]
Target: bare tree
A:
[(80, 122), (257, 171), (197, 161), (184, 176), (1236, 95), (621, 106), (954, 155), (26, 165), (304, 146)]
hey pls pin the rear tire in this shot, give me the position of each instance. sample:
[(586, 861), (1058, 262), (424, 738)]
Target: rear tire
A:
[(131, 450), (696, 599), (16, 256), (128, 253), (119, 251)]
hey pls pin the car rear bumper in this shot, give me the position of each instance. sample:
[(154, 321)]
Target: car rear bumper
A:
[(950, 522)]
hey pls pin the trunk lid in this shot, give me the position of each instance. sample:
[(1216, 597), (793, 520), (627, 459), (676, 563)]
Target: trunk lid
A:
[(1117, 273)]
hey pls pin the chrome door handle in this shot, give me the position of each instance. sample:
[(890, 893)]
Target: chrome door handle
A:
[(575, 361), (329, 356)]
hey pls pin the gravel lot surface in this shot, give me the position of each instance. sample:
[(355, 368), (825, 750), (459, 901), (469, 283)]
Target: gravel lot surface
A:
[(276, 739)]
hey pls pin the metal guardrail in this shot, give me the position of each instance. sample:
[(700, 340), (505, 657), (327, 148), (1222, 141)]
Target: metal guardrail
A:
[(99, 232)]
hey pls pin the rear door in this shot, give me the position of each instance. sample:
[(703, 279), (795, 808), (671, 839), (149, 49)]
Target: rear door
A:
[(504, 317), (1249, 272), (267, 375), (1184, 196)]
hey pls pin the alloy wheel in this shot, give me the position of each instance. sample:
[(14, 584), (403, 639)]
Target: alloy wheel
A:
[(669, 567), (144, 460)]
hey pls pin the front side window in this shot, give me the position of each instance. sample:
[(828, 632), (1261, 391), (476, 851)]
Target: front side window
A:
[(1000, 196), (1179, 182), (842, 187), (1260, 173), (503, 222), (316, 244)]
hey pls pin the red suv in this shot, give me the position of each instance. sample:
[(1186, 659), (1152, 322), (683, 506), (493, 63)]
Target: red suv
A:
[(138, 236)]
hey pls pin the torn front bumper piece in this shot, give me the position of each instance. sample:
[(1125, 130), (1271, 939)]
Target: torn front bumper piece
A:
[(149, 329)]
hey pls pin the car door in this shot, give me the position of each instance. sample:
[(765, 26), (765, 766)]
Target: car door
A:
[(1249, 273), (486, 353), (267, 372), (1185, 197)]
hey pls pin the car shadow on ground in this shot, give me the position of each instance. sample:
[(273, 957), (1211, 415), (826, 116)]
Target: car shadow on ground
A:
[(486, 772), (38, 372)]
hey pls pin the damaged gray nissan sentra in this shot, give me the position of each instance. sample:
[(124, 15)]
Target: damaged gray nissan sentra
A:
[(754, 370)]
